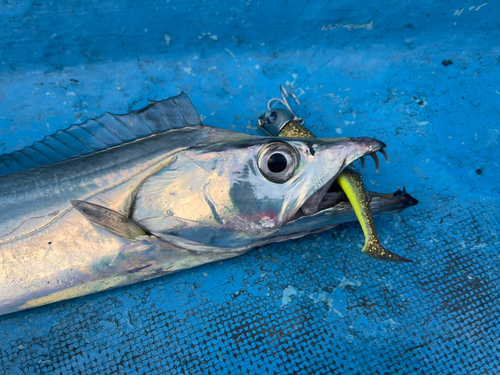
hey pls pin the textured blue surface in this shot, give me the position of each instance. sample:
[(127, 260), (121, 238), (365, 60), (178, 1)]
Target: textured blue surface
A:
[(424, 77)]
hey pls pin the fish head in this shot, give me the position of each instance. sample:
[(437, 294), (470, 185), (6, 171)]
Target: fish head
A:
[(236, 189)]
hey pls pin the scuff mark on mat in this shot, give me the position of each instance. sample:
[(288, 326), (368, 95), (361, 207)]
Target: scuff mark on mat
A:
[(478, 7), (288, 292), (167, 39), (336, 300), (350, 26)]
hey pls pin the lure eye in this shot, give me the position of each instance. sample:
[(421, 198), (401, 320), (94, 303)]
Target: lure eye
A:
[(278, 162)]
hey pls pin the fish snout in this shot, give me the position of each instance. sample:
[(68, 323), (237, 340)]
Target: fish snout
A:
[(366, 146), (371, 143)]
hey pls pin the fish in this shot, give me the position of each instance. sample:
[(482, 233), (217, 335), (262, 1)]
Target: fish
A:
[(126, 198)]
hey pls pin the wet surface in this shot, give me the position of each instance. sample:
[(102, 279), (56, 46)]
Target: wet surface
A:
[(421, 78)]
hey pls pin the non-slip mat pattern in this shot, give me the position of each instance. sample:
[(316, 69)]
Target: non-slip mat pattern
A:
[(310, 306)]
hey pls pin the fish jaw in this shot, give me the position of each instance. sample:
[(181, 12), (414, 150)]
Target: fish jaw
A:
[(338, 210), (333, 155)]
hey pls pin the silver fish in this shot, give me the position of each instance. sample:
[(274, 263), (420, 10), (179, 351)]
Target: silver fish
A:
[(122, 199)]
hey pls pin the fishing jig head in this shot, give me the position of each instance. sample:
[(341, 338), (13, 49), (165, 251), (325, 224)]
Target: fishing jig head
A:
[(283, 121)]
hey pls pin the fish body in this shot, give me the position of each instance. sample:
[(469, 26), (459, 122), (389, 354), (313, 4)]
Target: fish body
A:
[(181, 195)]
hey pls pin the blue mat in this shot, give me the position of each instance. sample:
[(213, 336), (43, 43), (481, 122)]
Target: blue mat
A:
[(421, 76)]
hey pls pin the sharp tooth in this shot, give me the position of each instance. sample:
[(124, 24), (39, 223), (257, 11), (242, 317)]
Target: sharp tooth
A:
[(362, 158), (375, 159), (382, 151)]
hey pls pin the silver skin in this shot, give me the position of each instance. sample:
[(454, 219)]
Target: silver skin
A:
[(161, 204)]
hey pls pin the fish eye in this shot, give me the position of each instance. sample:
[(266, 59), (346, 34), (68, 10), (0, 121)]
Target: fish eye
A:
[(278, 161)]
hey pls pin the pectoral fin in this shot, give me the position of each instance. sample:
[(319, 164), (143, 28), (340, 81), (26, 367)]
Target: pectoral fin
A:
[(353, 187), (110, 220)]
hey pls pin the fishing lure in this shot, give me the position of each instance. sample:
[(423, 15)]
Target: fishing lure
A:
[(126, 198), (286, 124)]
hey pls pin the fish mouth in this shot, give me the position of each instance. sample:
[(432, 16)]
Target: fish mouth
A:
[(331, 195)]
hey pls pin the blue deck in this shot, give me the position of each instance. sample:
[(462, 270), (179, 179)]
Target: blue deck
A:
[(423, 76)]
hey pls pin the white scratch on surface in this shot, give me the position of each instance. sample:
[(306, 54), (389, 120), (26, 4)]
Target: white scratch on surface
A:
[(346, 282), (338, 130), (324, 297), (189, 70), (350, 27), (459, 12), (232, 54), (214, 37), (299, 93), (391, 323), (331, 298), (212, 68), (71, 93), (288, 292), (257, 66), (167, 38), (480, 6), (497, 92)]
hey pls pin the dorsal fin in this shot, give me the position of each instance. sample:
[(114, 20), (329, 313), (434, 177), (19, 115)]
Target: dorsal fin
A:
[(103, 132)]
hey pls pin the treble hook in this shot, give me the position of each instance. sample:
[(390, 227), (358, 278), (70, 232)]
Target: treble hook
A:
[(285, 94)]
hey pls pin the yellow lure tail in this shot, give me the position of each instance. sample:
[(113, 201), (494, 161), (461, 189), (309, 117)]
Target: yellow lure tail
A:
[(353, 187)]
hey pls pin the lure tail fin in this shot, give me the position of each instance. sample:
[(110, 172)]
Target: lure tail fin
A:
[(353, 187), (374, 249)]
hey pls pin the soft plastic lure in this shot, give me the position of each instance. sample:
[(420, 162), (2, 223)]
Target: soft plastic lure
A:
[(352, 184), (283, 124)]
